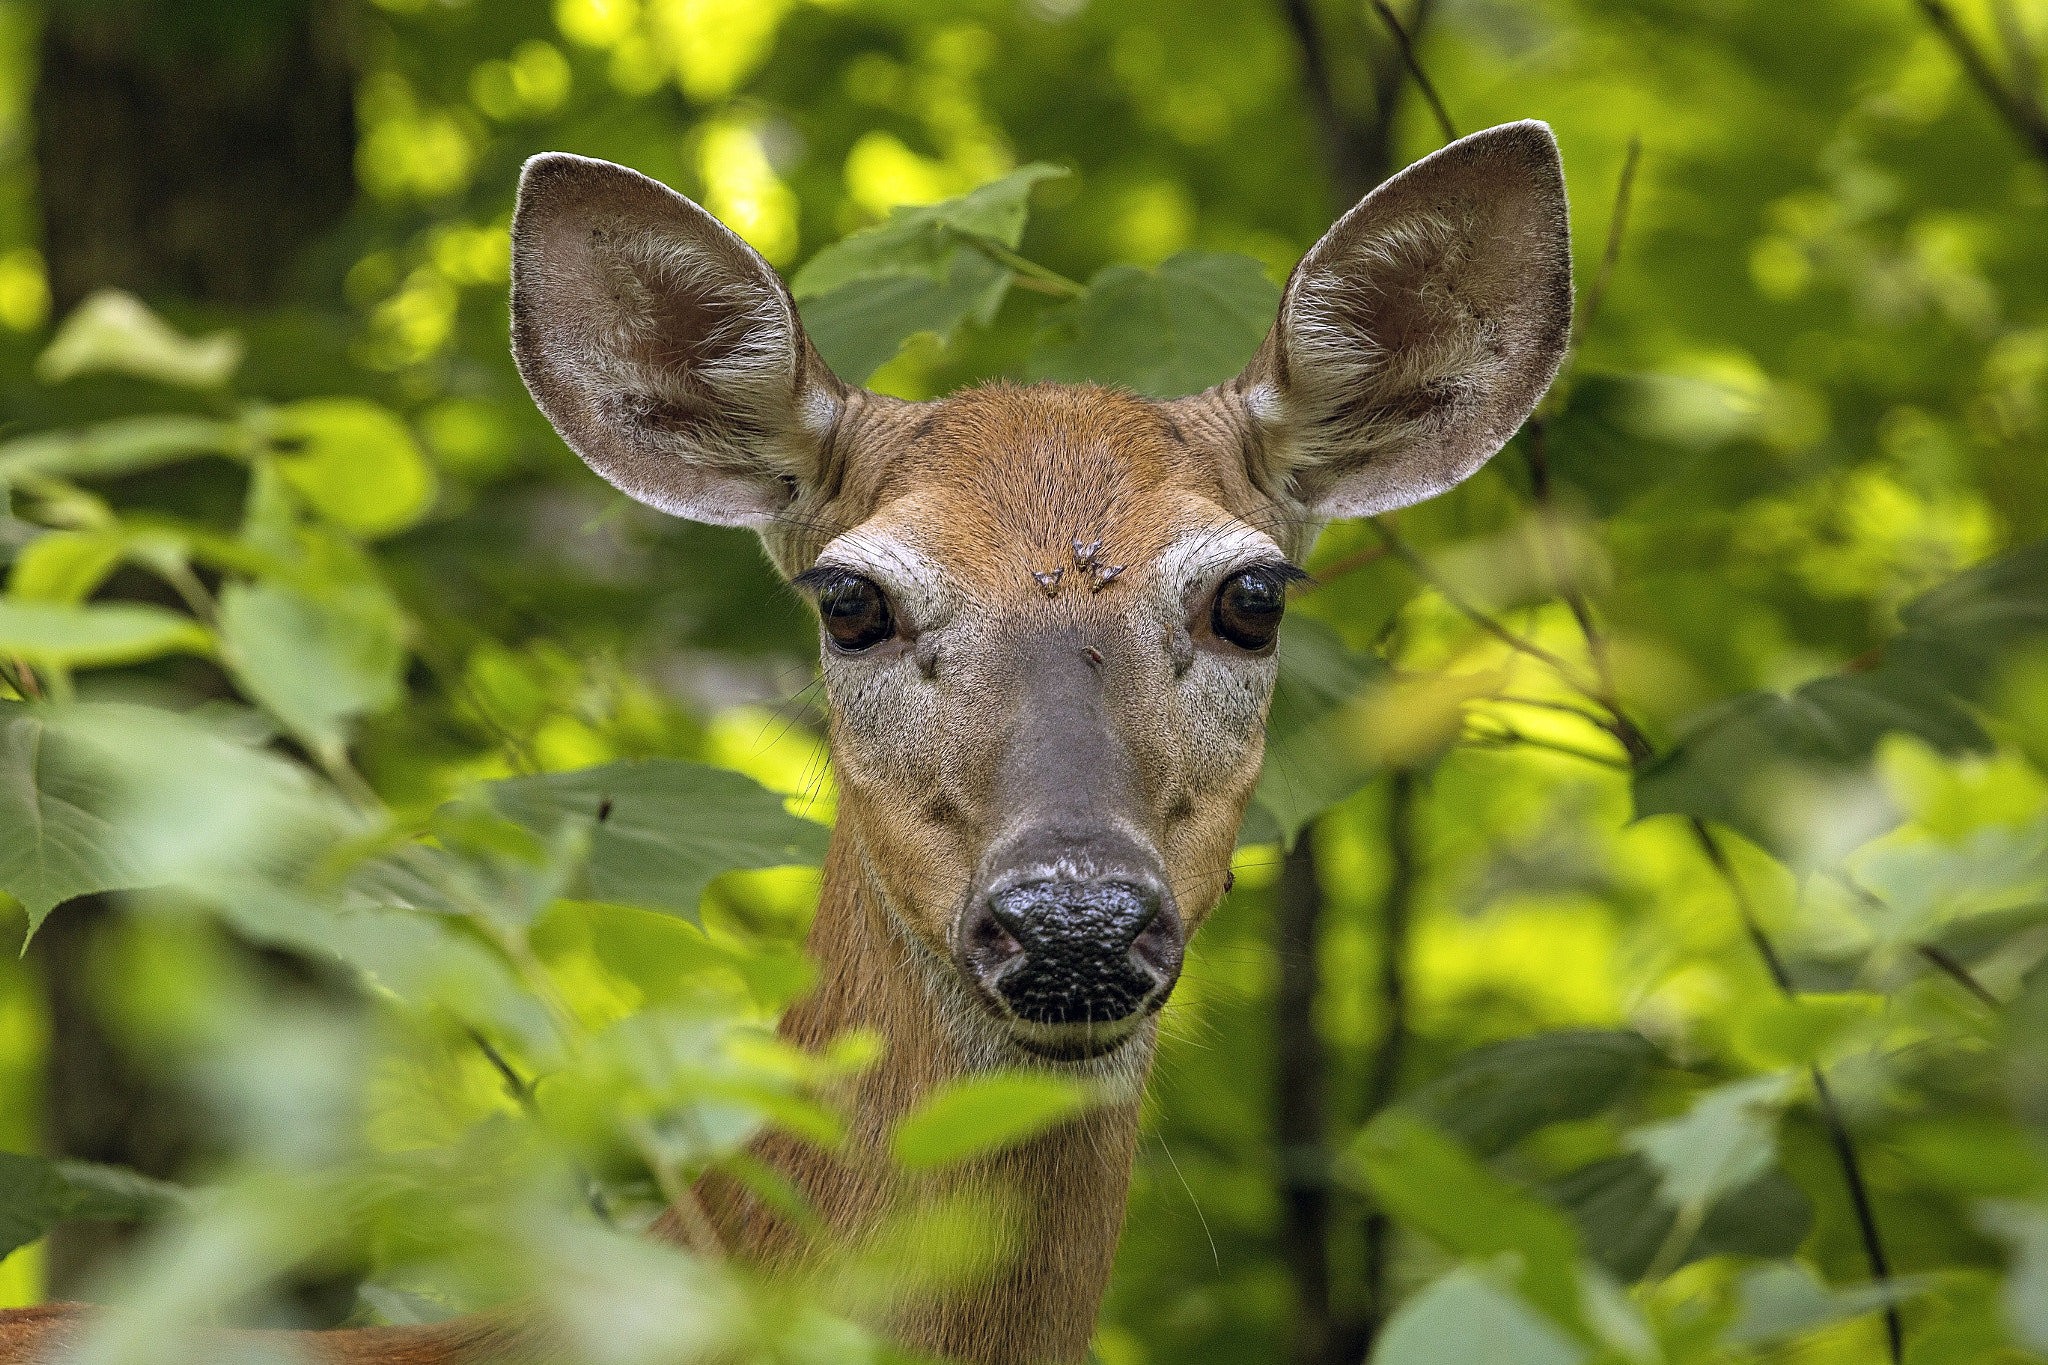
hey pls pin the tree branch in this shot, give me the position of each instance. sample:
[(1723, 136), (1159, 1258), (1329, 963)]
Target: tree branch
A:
[(1406, 554), (1617, 228), (1422, 82), (1831, 1112), (2020, 108), (1357, 150)]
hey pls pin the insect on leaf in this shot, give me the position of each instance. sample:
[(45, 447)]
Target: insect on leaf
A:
[(661, 829)]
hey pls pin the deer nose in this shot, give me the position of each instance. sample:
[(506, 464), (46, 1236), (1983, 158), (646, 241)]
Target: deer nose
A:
[(1070, 951)]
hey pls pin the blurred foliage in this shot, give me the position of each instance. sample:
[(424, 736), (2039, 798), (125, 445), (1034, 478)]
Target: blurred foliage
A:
[(313, 630)]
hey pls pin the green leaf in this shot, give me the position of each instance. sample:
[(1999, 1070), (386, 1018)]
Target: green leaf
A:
[(1958, 633), (1787, 1300), (1193, 322), (108, 797), (1726, 1139), (927, 240), (37, 1194), (354, 463), (123, 446), (66, 636), (1466, 1318), (1427, 1180), (1496, 1096), (64, 566), (1623, 1222), (57, 839), (113, 331), (924, 270), (2023, 1227), (1309, 766), (315, 662), (861, 326), (1760, 761), (661, 830), (968, 1118), (1763, 763), (33, 1197)]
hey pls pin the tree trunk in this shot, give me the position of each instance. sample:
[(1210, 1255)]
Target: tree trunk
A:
[(191, 151), (187, 152)]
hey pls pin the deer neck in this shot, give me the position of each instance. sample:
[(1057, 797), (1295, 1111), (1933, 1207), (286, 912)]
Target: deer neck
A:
[(1063, 1192)]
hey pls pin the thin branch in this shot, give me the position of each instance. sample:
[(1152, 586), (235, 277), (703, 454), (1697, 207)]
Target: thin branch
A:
[(521, 1088), (1507, 737), (1617, 227), (529, 1104), (1641, 752), (1831, 1112), (1866, 1218), (1936, 956), (1406, 554), (1436, 105), (1562, 707), (1958, 973), (1030, 274), (2020, 108), (1371, 554), (2026, 63)]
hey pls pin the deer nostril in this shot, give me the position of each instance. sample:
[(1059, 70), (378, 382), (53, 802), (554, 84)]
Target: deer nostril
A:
[(1066, 951)]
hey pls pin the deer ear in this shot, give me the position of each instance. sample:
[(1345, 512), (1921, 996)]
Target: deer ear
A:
[(664, 349), (1417, 335)]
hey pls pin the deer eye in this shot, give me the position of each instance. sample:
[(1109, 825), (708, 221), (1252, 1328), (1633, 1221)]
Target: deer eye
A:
[(1248, 608), (855, 612)]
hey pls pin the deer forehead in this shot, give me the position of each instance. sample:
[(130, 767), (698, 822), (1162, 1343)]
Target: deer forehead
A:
[(1067, 500)]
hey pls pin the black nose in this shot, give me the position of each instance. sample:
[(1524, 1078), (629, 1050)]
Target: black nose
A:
[(1073, 952)]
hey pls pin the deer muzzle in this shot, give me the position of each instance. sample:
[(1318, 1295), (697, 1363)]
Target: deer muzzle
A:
[(1074, 961)]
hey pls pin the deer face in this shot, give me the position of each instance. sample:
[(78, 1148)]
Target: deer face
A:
[(1048, 615)]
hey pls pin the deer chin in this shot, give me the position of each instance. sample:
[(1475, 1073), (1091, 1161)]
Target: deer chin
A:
[(1082, 1042)]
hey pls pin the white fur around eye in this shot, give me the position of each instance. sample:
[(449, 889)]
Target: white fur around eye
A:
[(924, 594), (1200, 558)]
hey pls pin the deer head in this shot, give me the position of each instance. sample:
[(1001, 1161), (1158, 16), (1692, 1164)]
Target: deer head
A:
[(1048, 614)]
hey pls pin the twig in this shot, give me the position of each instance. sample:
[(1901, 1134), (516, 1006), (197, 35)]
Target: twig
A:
[(1831, 1113), (24, 680), (1436, 105), (529, 1104), (1371, 554), (1508, 737), (1407, 555), (2020, 109), (1958, 973), (1617, 226), (521, 1088), (1030, 274), (1641, 752), (1866, 1219), (1940, 958), (1562, 707)]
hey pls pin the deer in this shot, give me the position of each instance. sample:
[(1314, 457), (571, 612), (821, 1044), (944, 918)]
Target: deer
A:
[(1048, 620)]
